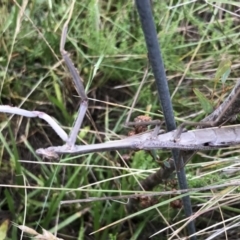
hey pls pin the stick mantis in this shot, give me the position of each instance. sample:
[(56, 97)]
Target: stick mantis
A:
[(199, 139)]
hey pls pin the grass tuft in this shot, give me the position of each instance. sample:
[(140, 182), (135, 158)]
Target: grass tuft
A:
[(106, 44)]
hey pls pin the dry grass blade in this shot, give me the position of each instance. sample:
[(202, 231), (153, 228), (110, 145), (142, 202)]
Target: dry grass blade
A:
[(46, 235)]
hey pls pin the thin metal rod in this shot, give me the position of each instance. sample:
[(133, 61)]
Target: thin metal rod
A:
[(155, 58)]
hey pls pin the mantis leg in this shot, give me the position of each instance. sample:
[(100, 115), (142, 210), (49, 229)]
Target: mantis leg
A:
[(79, 86), (221, 115)]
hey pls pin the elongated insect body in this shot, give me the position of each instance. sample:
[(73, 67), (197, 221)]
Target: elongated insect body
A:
[(199, 139)]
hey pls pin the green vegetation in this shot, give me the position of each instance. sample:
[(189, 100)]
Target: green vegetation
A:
[(106, 44)]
